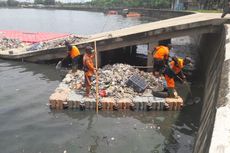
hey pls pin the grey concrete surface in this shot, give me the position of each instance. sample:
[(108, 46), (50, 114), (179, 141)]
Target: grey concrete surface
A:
[(220, 142)]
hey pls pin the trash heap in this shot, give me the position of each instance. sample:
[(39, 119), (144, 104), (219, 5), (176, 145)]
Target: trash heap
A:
[(113, 81), (73, 39), (8, 43), (118, 86)]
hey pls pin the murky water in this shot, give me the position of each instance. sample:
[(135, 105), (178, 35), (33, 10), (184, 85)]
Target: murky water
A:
[(29, 126), (63, 21)]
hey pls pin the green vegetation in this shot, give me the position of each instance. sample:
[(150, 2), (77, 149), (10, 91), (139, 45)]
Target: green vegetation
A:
[(207, 11), (133, 3), (12, 3), (45, 2)]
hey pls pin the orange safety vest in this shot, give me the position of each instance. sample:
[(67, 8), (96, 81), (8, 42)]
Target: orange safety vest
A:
[(177, 67), (88, 62), (74, 52), (162, 52)]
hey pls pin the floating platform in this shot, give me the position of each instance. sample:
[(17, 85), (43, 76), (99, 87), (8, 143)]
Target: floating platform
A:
[(71, 100), (69, 95)]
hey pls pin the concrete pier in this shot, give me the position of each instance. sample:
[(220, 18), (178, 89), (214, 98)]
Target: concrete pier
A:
[(199, 23)]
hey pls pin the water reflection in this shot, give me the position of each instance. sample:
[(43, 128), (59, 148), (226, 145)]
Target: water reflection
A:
[(177, 128), (43, 71)]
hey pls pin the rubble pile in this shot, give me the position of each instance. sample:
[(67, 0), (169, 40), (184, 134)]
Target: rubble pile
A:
[(115, 91), (73, 39), (8, 43), (113, 81)]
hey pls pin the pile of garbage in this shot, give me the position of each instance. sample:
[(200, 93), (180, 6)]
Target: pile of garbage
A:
[(113, 81), (73, 39), (8, 43)]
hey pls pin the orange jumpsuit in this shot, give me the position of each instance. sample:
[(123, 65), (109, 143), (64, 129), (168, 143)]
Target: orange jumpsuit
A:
[(89, 65), (160, 56), (171, 72)]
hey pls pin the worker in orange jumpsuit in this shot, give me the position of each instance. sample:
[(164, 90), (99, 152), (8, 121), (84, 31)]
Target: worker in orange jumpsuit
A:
[(175, 70), (160, 58), (88, 68), (73, 54)]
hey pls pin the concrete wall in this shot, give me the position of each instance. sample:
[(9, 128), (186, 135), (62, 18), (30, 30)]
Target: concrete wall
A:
[(221, 133), (162, 14), (156, 13), (212, 54)]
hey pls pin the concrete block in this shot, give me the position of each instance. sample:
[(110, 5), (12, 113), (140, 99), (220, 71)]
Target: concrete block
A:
[(140, 102), (76, 104), (90, 103), (73, 100), (156, 99), (174, 103), (107, 103), (57, 99), (124, 103)]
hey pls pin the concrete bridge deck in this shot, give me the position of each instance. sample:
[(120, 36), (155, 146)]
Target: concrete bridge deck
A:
[(141, 34)]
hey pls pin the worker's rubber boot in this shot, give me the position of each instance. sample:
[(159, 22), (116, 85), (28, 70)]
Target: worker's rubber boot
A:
[(87, 91)]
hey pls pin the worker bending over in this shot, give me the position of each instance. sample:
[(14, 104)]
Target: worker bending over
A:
[(174, 70), (74, 54), (160, 59), (226, 9), (88, 68)]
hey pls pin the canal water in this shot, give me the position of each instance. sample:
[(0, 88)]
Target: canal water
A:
[(29, 126)]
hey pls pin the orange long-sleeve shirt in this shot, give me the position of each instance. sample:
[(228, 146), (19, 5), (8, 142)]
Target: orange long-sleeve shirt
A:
[(88, 62)]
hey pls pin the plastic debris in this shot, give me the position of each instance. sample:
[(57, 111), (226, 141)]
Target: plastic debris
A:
[(8, 43), (73, 39), (112, 82)]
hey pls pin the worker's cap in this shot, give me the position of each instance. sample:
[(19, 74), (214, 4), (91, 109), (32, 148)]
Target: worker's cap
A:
[(89, 49)]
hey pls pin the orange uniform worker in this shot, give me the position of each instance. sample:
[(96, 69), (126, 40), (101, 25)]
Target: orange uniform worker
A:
[(73, 53), (160, 58), (88, 67), (174, 70)]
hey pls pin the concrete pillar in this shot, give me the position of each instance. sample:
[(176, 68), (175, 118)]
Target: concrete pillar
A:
[(149, 54)]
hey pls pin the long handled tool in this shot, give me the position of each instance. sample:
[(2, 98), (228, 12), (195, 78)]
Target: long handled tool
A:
[(186, 84), (95, 48)]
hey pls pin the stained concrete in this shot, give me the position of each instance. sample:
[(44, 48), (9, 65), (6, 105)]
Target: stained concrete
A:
[(212, 53), (221, 133)]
